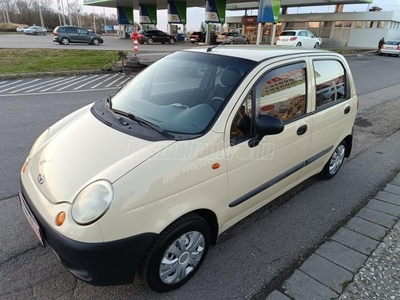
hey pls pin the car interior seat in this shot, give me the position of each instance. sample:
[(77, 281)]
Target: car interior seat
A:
[(229, 77)]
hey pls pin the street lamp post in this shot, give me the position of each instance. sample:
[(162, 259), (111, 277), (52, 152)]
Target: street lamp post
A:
[(41, 17)]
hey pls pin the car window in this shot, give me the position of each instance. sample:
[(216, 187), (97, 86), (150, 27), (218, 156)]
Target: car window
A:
[(242, 125), (288, 33), (71, 30), (141, 31), (82, 31), (310, 34), (281, 93), (302, 33), (187, 98), (330, 81)]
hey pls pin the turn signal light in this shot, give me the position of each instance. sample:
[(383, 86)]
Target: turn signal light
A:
[(25, 167), (60, 218), (215, 166)]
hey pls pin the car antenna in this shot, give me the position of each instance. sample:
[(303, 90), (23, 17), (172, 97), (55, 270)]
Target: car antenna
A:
[(212, 47)]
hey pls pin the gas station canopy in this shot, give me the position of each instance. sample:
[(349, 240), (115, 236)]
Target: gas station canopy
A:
[(162, 4)]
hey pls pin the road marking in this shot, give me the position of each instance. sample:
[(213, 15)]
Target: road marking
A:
[(121, 83), (11, 83), (62, 80), (62, 92), (45, 90), (10, 88), (67, 86), (113, 82), (95, 86), (90, 82), (42, 83)]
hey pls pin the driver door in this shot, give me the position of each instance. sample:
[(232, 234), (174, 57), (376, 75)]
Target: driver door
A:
[(256, 175)]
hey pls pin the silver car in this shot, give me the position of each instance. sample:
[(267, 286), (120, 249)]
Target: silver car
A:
[(232, 38), (391, 48), (35, 30)]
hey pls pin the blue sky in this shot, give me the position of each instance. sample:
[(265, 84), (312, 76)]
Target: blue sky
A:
[(196, 15)]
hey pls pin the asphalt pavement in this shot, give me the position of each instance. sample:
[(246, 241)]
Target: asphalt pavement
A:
[(361, 259)]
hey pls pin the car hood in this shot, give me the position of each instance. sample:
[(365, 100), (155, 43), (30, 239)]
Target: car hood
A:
[(84, 151)]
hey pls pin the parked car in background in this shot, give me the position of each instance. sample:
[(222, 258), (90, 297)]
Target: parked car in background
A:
[(197, 37), (198, 141), (232, 38), (391, 47), (21, 28), (155, 36), (35, 30), (74, 34), (299, 38)]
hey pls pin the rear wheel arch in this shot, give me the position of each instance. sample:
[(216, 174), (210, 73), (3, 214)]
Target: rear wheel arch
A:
[(349, 142)]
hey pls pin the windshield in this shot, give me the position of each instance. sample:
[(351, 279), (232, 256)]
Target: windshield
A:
[(184, 92)]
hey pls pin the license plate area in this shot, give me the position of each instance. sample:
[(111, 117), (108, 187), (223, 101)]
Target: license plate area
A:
[(31, 219)]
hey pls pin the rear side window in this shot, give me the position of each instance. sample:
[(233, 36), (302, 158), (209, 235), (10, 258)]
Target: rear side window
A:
[(288, 33), (330, 81), (71, 30)]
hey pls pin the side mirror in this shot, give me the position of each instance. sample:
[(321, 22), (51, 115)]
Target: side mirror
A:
[(266, 125)]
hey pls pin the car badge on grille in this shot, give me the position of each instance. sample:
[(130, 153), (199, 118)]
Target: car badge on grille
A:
[(41, 179)]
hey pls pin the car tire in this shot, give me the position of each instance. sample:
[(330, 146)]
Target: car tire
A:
[(334, 163), (247, 42), (44, 33), (192, 42), (171, 41), (150, 41), (161, 268), (231, 42), (35, 33), (316, 46), (141, 42), (64, 41), (298, 44), (95, 42)]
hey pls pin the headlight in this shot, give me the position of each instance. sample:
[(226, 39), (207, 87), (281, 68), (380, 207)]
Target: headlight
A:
[(92, 202), (39, 143)]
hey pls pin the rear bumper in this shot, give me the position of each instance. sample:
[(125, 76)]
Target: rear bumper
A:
[(108, 263)]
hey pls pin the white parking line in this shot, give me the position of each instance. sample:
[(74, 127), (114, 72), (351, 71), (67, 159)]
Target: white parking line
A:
[(45, 90), (67, 86), (13, 87), (95, 86), (110, 84), (62, 80), (42, 83), (121, 83), (11, 83), (77, 88), (52, 93)]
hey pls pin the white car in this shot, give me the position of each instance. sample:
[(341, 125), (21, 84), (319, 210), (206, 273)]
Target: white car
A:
[(298, 38), (35, 30), (149, 178), (21, 28), (391, 47)]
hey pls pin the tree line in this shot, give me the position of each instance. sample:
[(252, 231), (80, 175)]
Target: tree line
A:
[(27, 12)]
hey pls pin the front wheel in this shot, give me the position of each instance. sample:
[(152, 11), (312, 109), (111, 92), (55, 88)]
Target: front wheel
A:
[(247, 42), (150, 41), (177, 254), (335, 161), (316, 45), (171, 41), (95, 42)]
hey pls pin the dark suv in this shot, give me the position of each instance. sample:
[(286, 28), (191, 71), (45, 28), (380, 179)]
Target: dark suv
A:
[(155, 36), (73, 34), (197, 37)]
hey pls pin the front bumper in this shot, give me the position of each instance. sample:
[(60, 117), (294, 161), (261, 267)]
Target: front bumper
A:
[(108, 263)]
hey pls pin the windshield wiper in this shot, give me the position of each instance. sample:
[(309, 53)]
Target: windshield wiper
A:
[(141, 121)]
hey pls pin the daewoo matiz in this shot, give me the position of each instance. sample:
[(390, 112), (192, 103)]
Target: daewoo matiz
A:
[(148, 179)]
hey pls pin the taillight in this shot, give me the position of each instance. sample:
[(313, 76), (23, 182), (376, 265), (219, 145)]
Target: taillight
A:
[(55, 33), (225, 36), (140, 35), (398, 47), (293, 38)]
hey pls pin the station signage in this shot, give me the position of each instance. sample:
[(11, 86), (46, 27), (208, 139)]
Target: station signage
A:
[(176, 12), (215, 11), (269, 11), (125, 15), (148, 14)]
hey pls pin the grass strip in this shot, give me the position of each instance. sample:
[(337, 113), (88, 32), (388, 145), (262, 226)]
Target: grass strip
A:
[(19, 61)]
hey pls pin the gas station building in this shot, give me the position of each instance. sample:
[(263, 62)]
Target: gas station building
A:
[(338, 28)]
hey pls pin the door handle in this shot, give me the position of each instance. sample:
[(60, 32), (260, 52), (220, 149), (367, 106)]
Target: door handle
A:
[(302, 130), (347, 110)]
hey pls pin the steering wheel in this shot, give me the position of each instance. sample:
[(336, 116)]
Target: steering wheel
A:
[(216, 102)]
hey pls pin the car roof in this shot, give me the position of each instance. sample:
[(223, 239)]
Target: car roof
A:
[(258, 53)]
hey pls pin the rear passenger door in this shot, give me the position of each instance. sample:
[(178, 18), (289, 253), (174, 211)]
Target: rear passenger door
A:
[(73, 34), (334, 111)]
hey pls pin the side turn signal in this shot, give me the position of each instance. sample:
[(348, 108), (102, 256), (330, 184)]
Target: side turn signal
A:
[(60, 218)]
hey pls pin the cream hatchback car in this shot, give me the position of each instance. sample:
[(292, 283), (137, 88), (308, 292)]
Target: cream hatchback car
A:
[(299, 38), (148, 179)]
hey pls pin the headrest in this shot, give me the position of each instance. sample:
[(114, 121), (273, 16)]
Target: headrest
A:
[(230, 76)]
